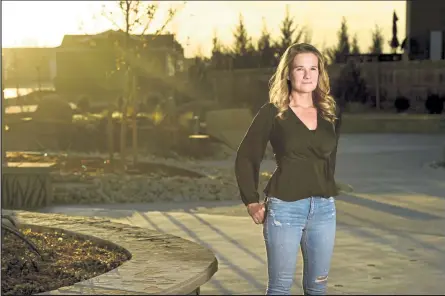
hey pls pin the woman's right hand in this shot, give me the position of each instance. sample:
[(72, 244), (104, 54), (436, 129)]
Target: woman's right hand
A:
[(257, 212)]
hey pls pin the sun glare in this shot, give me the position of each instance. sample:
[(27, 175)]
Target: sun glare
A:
[(44, 23)]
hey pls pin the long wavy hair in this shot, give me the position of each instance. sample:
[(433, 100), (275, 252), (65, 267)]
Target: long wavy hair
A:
[(280, 87)]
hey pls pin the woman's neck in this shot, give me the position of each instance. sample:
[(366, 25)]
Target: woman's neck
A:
[(303, 100)]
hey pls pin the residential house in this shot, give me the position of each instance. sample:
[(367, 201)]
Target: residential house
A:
[(94, 63), (28, 67)]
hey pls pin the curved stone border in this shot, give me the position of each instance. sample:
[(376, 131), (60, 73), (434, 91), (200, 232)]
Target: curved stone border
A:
[(160, 263)]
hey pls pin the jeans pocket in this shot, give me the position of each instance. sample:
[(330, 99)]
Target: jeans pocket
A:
[(273, 199), (326, 206)]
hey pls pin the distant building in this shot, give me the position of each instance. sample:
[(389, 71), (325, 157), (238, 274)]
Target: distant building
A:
[(27, 67), (425, 30), (92, 62)]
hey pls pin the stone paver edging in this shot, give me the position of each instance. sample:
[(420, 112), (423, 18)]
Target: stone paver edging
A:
[(160, 263)]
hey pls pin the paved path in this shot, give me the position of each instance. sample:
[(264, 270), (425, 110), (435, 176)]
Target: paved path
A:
[(391, 230)]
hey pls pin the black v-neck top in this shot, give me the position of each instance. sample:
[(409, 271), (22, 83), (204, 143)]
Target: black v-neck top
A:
[(305, 158)]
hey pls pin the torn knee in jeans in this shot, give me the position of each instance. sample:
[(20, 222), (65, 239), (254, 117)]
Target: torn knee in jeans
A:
[(321, 278)]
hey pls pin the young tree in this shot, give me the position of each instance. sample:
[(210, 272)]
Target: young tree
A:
[(377, 41), (394, 42), (137, 17), (355, 48)]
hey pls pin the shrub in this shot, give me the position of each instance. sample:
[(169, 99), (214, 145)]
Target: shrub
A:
[(383, 97), (402, 104), (434, 104), (350, 86), (83, 104)]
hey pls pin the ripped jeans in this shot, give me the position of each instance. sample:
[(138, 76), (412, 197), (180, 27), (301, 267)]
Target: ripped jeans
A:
[(309, 222)]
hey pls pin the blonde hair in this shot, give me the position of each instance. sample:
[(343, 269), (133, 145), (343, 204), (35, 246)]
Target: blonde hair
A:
[(279, 86)]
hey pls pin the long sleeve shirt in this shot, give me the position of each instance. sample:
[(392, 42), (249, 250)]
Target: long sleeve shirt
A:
[(305, 158)]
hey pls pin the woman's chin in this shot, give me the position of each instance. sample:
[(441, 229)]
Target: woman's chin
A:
[(306, 88)]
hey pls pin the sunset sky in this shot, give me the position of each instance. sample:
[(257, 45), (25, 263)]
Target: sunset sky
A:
[(43, 23)]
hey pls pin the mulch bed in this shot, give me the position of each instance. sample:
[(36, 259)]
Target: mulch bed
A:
[(96, 165), (66, 260)]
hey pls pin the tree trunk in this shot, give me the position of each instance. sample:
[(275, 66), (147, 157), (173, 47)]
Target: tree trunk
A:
[(110, 133), (377, 85), (123, 138), (134, 121), (135, 137), (3, 116)]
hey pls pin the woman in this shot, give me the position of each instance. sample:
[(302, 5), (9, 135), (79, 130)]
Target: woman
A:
[(302, 126)]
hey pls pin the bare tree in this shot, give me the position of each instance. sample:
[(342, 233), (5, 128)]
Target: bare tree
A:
[(137, 18)]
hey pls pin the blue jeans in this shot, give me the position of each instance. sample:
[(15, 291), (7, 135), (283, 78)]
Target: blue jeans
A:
[(309, 222)]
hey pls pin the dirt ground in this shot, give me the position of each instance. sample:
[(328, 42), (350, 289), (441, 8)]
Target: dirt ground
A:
[(65, 261)]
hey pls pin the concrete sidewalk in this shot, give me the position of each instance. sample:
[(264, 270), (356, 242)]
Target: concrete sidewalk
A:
[(390, 230), (367, 260)]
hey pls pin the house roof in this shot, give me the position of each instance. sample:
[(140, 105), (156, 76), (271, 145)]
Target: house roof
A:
[(152, 41)]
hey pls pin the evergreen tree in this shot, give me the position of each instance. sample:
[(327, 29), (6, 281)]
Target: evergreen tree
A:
[(343, 40), (218, 57), (217, 48), (241, 38), (377, 41), (289, 33), (307, 35), (287, 30), (337, 53), (266, 51), (243, 51), (394, 43), (355, 48)]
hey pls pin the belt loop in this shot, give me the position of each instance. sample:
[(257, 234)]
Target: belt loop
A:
[(312, 205)]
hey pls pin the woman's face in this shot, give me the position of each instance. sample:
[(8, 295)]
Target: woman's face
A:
[(303, 73)]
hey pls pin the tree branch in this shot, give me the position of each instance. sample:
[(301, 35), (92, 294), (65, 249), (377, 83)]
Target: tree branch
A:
[(171, 14), (109, 16), (151, 12)]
